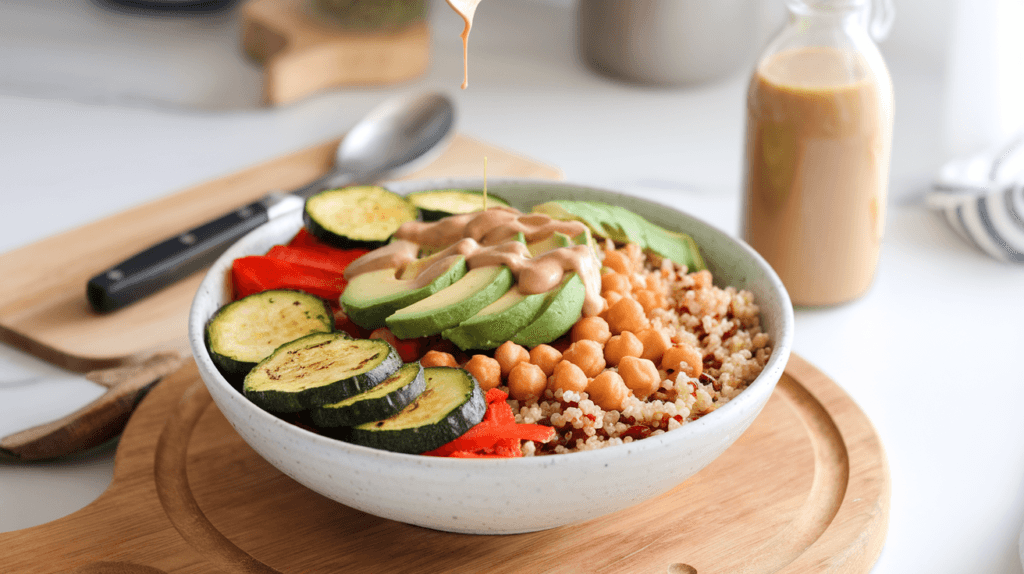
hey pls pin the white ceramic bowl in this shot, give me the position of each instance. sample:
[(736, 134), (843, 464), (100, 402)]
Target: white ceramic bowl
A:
[(504, 496)]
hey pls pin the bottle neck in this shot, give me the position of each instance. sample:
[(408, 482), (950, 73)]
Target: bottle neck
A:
[(841, 13), (872, 16)]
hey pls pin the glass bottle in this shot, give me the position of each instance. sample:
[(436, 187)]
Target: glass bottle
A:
[(818, 142)]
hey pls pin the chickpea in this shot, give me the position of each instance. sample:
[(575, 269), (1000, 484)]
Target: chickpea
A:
[(683, 358), (608, 390), (617, 261), (587, 355), (485, 370), (654, 283), (508, 355), (626, 315), (545, 357), (636, 282), (591, 328), (526, 381), (655, 344), (568, 377), (615, 282), (622, 345), (649, 300), (438, 359), (634, 254), (640, 375), (610, 299)]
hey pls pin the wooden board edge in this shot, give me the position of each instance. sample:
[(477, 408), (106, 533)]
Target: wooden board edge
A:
[(865, 506), (841, 548)]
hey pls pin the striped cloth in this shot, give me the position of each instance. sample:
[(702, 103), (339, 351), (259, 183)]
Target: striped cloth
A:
[(983, 198)]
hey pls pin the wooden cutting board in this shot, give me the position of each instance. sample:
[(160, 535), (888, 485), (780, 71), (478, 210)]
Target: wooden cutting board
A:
[(42, 286), (303, 52), (805, 489)]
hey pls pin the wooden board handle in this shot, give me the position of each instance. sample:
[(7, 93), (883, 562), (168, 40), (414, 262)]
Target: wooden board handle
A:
[(98, 421)]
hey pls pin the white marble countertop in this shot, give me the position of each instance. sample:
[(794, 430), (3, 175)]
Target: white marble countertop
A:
[(99, 121)]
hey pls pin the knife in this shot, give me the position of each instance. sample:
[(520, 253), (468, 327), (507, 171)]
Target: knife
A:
[(394, 137)]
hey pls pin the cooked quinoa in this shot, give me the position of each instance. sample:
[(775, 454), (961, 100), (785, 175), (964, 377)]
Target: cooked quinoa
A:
[(715, 349)]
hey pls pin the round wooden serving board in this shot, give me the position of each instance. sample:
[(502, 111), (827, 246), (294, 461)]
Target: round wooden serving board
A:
[(805, 489)]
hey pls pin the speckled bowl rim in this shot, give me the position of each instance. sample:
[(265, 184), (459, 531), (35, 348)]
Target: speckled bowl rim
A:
[(763, 385)]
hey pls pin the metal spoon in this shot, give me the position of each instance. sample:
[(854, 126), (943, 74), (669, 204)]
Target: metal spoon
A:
[(396, 136)]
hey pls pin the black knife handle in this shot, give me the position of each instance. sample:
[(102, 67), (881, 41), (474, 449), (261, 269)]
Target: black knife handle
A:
[(167, 262)]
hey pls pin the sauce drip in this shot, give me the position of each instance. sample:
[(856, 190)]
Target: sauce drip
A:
[(466, 9), (394, 255), (488, 238)]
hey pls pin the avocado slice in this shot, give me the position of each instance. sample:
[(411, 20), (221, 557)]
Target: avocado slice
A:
[(501, 320), (623, 226), (371, 297), (560, 311), (497, 322), (550, 243), (452, 305)]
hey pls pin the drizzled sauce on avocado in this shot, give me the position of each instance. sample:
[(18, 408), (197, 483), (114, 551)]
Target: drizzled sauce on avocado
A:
[(489, 238)]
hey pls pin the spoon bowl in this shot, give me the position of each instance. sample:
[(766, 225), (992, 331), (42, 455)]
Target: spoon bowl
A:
[(399, 135)]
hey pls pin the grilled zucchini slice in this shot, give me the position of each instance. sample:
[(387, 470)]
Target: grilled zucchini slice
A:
[(451, 404), (245, 332), (319, 369), (380, 402), (356, 217), (434, 205)]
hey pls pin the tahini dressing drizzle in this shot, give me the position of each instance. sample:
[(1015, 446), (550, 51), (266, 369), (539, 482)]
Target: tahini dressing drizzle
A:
[(488, 238), (466, 9)]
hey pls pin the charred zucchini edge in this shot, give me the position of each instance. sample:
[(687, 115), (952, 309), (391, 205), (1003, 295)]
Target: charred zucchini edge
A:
[(451, 422), (231, 365), (390, 211), (374, 364), (382, 401)]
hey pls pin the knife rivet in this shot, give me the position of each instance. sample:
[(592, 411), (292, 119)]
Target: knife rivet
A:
[(115, 275), (244, 213), (187, 239)]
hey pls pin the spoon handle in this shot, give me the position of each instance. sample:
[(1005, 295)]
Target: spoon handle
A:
[(174, 259)]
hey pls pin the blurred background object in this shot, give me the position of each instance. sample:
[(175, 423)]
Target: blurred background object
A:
[(373, 15), (306, 46), (667, 42), (183, 6), (111, 54)]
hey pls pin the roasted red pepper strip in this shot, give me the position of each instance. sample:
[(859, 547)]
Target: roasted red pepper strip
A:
[(469, 454), (409, 349), (332, 260), (498, 411), (257, 273), (497, 436), (304, 240)]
